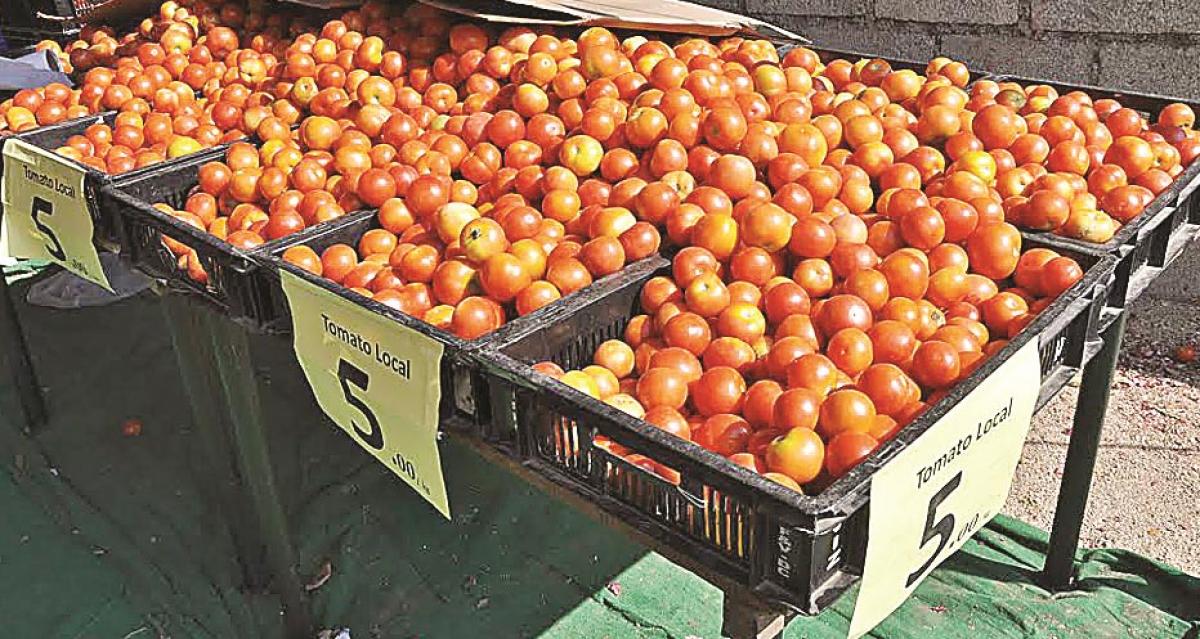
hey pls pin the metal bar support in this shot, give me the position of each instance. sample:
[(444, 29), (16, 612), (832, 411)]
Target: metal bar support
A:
[(25, 381), (1058, 573)]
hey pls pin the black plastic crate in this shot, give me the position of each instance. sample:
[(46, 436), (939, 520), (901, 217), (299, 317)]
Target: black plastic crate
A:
[(801, 550), (465, 404), (233, 275), (1151, 241)]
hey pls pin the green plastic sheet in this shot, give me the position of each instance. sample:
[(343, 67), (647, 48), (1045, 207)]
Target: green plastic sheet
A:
[(108, 535)]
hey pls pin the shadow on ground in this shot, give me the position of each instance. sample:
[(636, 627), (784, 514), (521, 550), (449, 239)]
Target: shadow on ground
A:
[(140, 508)]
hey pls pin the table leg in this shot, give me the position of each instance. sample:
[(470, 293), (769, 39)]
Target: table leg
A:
[(1081, 459), (232, 348), (24, 379)]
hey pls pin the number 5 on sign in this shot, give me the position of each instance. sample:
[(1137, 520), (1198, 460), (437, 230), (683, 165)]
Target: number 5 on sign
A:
[(45, 211), (377, 380), (932, 496)]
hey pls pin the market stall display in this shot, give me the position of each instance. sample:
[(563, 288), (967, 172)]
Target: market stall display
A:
[(854, 251)]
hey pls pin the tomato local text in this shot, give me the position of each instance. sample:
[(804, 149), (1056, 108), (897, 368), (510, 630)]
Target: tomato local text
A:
[(398, 365), (49, 182), (983, 428)]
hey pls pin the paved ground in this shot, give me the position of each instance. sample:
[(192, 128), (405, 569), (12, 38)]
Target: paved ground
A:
[(1146, 492)]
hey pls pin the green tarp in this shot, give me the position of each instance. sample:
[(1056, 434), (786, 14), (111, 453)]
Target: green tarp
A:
[(107, 535)]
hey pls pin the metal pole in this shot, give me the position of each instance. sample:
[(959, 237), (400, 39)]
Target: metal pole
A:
[(24, 378), (234, 361), (1076, 483)]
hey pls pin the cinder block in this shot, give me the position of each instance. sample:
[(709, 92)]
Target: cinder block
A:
[(736, 6), (949, 11), (1049, 57), (887, 40), (1155, 67), (1126, 16), (813, 8)]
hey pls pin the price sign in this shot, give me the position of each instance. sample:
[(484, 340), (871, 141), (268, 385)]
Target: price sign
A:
[(932, 496), (379, 381), (45, 211)]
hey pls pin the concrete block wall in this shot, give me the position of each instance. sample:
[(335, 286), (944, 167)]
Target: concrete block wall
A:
[(1145, 45)]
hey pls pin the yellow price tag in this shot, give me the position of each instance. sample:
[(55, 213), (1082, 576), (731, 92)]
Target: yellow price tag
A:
[(932, 496), (379, 381), (45, 211)]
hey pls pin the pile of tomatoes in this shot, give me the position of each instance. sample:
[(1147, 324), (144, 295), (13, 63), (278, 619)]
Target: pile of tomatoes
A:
[(1067, 164), (844, 234), (188, 78), (753, 363)]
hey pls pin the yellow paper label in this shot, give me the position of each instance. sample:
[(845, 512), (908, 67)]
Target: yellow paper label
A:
[(45, 211), (932, 496), (379, 381)]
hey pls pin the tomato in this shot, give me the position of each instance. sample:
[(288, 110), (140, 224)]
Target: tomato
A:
[(305, 258), (730, 352), (669, 419), (814, 372), (888, 387), (844, 311), (535, 296), (847, 450), (475, 316), (662, 387), (1133, 154), (759, 405), (706, 295), (1001, 310), (799, 454), (679, 359), (994, 250), (893, 342), (851, 350), (1057, 275), (812, 238), (743, 321), (503, 276), (688, 331), (725, 434), (724, 128), (935, 364), (846, 410), (923, 228), (568, 275), (690, 262), (784, 299), (767, 226), (658, 291), (719, 390)]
